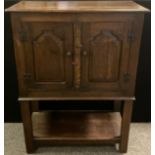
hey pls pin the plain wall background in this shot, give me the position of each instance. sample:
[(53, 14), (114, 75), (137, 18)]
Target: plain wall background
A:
[(142, 106)]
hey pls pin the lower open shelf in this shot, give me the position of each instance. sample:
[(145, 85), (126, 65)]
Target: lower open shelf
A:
[(76, 127)]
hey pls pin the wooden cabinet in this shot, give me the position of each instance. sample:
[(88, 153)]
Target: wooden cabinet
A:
[(76, 54), (106, 54), (76, 51), (48, 51)]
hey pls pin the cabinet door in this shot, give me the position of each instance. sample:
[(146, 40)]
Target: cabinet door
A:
[(105, 55), (48, 55)]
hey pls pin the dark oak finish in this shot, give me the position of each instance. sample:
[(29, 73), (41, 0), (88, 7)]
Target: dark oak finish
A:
[(66, 66), (77, 6), (27, 123), (126, 118), (107, 47), (76, 51), (76, 127)]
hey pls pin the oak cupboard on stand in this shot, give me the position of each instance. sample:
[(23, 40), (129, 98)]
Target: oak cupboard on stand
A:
[(70, 50)]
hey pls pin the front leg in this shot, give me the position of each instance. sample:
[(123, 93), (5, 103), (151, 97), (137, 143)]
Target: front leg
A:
[(27, 124), (126, 118)]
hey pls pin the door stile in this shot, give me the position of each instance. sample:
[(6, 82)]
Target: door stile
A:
[(77, 55)]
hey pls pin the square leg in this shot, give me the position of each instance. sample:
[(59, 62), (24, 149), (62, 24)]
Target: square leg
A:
[(27, 124), (125, 126)]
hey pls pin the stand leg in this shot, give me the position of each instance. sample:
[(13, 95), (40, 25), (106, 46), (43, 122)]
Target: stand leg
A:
[(34, 106), (117, 106), (126, 118), (27, 124)]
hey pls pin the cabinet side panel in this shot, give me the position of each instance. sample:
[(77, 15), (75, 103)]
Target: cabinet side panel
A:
[(19, 57), (135, 45)]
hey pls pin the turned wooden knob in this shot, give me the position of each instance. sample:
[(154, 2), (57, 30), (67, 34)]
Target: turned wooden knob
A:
[(84, 52), (68, 53)]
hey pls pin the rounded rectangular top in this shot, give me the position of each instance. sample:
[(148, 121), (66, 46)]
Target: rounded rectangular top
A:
[(77, 6)]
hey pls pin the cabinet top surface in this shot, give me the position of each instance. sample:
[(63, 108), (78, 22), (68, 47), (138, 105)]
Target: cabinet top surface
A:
[(77, 6)]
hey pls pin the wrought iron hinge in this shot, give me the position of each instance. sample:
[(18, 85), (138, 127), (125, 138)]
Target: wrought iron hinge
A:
[(23, 36), (27, 77), (126, 77), (131, 36)]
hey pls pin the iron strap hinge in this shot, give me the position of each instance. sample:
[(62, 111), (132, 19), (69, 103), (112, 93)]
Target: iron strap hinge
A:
[(131, 36), (23, 36), (126, 77), (27, 76)]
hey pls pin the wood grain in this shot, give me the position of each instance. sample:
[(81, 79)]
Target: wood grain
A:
[(77, 6), (90, 46), (72, 98), (125, 127), (27, 123), (77, 54), (106, 46), (90, 52), (76, 126)]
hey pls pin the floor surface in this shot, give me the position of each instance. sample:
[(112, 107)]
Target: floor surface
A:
[(139, 143)]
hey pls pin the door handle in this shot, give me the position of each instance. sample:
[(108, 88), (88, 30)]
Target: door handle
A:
[(68, 53), (84, 53)]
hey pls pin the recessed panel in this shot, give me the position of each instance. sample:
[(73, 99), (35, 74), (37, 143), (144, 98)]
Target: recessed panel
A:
[(49, 57), (105, 50)]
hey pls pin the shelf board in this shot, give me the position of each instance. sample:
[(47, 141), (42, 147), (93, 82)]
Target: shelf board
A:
[(76, 127)]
